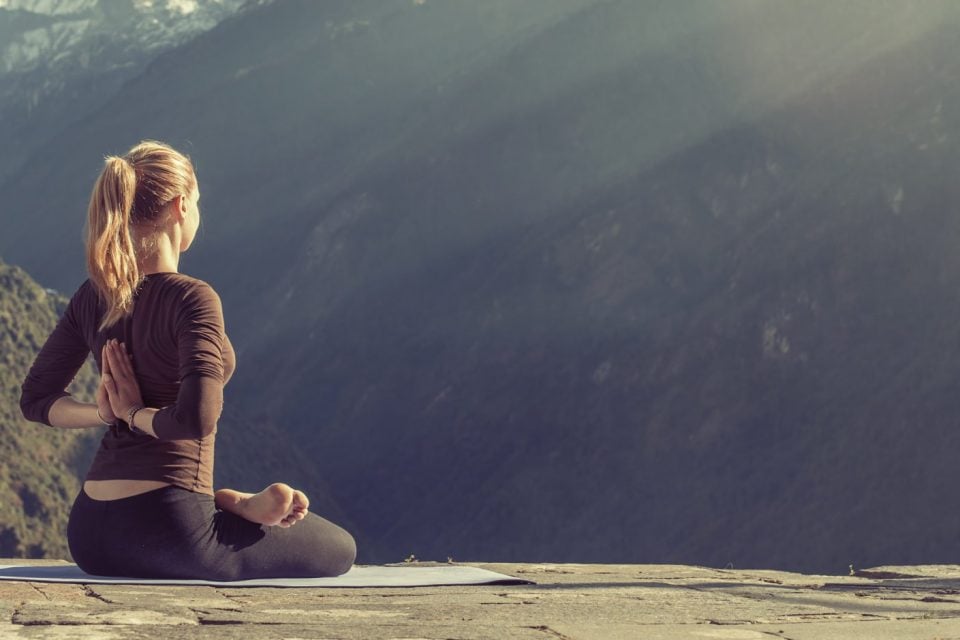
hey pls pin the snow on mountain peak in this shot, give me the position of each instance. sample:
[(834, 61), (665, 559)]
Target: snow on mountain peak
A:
[(185, 7), (49, 7), (63, 29), (49, 43), (66, 7)]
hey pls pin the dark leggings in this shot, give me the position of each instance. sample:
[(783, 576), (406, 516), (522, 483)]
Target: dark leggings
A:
[(175, 533)]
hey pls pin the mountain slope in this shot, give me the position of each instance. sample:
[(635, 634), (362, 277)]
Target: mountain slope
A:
[(586, 281), (41, 467), (61, 60), (510, 368)]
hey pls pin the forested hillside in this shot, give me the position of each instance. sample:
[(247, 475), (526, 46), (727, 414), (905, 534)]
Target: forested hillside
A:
[(40, 467)]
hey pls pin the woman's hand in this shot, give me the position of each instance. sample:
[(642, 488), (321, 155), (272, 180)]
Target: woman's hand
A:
[(103, 400), (123, 391)]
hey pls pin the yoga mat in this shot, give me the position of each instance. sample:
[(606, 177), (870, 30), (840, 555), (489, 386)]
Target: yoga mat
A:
[(357, 576)]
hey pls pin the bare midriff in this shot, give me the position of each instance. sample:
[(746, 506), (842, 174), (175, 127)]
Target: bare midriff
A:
[(116, 489)]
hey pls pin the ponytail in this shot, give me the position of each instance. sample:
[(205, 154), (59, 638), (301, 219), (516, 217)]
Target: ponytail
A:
[(132, 191), (111, 259)]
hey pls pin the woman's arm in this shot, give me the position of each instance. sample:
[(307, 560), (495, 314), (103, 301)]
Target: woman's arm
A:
[(57, 363), (76, 415), (200, 343), (63, 412), (67, 413), (195, 415)]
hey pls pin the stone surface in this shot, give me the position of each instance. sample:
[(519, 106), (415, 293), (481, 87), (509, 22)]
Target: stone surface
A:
[(569, 601)]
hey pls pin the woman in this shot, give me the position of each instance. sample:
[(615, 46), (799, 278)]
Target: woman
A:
[(147, 506)]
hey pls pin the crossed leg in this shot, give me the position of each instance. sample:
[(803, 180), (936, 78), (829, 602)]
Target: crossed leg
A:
[(279, 504)]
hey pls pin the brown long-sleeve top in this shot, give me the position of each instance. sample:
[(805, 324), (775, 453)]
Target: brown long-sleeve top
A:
[(182, 359)]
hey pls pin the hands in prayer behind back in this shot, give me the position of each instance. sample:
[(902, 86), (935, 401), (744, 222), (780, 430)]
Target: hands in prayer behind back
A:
[(104, 408), (123, 391)]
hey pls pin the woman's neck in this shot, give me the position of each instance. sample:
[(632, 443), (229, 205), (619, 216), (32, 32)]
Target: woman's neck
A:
[(160, 264), (162, 255)]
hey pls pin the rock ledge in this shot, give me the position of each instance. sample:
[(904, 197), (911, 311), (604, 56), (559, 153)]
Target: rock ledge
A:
[(569, 601)]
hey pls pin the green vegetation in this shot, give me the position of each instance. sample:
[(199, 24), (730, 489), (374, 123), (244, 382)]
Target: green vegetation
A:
[(40, 467)]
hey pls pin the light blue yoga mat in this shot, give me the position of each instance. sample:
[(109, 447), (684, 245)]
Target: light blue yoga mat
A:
[(359, 576)]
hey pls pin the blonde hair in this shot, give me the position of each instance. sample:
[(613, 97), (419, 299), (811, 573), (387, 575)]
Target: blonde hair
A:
[(131, 190)]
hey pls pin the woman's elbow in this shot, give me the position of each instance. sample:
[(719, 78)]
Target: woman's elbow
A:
[(188, 425), (27, 408), (206, 420), (205, 427), (33, 406)]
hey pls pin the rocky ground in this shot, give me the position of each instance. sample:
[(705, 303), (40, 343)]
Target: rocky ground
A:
[(572, 601)]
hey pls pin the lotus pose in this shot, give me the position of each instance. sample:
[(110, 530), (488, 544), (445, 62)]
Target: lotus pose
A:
[(147, 507)]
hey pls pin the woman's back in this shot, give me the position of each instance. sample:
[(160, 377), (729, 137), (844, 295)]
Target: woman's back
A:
[(182, 359)]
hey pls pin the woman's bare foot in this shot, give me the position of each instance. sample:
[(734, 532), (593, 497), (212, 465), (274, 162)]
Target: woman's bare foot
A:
[(279, 504)]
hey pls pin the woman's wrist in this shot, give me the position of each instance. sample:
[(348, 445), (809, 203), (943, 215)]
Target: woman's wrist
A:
[(67, 413), (147, 423), (108, 424), (132, 412)]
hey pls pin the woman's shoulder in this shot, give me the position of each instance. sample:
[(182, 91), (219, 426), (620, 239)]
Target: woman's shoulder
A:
[(85, 294), (189, 294), (183, 282), (166, 278), (173, 289)]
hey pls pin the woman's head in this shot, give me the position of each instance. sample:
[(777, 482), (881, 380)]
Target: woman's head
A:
[(142, 202)]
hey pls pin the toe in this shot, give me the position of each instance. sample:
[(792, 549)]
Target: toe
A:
[(300, 499)]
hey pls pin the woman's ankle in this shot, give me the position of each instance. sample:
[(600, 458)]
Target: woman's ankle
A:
[(230, 500)]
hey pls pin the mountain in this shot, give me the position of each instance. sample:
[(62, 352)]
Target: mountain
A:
[(41, 468), (61, 60), (600, 281)]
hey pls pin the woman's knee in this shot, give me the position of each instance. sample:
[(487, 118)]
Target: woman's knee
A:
[(336, 553), (348, 552)]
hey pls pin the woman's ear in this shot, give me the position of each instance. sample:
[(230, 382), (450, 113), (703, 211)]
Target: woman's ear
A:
[(178, 208)]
